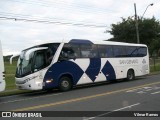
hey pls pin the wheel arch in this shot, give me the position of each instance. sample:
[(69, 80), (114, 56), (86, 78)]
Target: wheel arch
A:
[(130, 69), (67, 75)]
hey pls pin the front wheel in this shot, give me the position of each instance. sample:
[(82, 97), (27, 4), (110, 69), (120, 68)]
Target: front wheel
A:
[(65, 83), (130, 75)]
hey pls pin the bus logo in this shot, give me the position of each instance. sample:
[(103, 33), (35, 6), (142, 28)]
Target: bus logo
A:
[(144, 61)]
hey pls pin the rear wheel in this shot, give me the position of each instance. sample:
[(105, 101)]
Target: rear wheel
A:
[(130, 75), (65, 83)]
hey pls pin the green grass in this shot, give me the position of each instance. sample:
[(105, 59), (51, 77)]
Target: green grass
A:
[(155, 68), (10, 75), (10, 69), (10, 82), (154, 65)]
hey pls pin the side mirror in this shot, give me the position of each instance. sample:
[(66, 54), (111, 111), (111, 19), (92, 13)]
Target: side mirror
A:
[(11, 58)]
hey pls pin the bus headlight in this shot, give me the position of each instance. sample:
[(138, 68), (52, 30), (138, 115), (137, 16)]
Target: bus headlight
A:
[(38, 82)]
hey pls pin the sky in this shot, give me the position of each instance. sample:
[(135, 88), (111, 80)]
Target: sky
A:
[(93, 16)]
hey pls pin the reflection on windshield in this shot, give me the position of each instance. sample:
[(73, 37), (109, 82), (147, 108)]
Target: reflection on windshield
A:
[(35, 59), (23, 65)]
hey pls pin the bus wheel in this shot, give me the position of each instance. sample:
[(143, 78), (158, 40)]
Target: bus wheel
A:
[(65, 84), (130, 75)]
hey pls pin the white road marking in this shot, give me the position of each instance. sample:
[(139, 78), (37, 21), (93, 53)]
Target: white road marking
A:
[(155, 92), (147, 87), (134, 90), (156, 88), (29, 98), (112, 111), (143, 90)]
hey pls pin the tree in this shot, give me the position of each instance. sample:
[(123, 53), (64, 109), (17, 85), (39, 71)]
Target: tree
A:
[(125, 31), (155, 47)]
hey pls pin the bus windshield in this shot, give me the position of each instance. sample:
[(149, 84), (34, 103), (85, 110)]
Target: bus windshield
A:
[(24, 64), (35, 59)]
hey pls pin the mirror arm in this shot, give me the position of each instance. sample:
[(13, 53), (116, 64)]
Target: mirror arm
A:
[(13, 56)]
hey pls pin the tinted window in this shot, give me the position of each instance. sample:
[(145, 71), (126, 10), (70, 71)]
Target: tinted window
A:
[(131, 51), (76, 50), (70, 51), (119, 51), (105, 51), (52, 48), (142, 51), (88, 51), (40, 60)]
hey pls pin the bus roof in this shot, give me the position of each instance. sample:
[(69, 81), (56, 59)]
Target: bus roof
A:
[(101, 42), (106, 42)]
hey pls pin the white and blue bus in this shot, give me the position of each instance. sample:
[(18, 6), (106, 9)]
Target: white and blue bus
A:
[(66, 64), (2, 75)]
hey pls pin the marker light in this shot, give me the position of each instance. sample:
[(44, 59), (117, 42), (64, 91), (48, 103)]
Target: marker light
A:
[(49, 81)]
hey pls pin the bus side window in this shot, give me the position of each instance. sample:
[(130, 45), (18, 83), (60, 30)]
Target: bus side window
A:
[(94, 52), (109, 51), (64, 54), (131, 51), (142, 51), (105, 51), (52, 48), (76, 50), (69, 51), (49, 56), (89, 51), (39, 60), (119, 51)]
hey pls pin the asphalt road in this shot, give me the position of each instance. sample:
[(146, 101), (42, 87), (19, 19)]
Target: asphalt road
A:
[(112, 100)]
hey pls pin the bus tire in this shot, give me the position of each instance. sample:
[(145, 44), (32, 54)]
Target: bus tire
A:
[(130, 75), (65, 83)]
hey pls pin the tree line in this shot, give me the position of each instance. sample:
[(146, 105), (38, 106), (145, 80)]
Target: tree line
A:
[(149, 33)]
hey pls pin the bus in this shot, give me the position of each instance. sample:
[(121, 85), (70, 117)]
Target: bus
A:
[(2, 75), (66, 64)]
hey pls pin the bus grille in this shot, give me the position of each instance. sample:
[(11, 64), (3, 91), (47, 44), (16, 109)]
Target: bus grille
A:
[(20, 82)]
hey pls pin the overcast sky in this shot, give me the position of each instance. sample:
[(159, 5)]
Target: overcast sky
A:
[(18, 35)]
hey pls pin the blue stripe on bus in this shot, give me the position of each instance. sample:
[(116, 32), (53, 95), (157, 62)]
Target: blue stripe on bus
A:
[(94, 68), (60, 68), (108, 71)]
